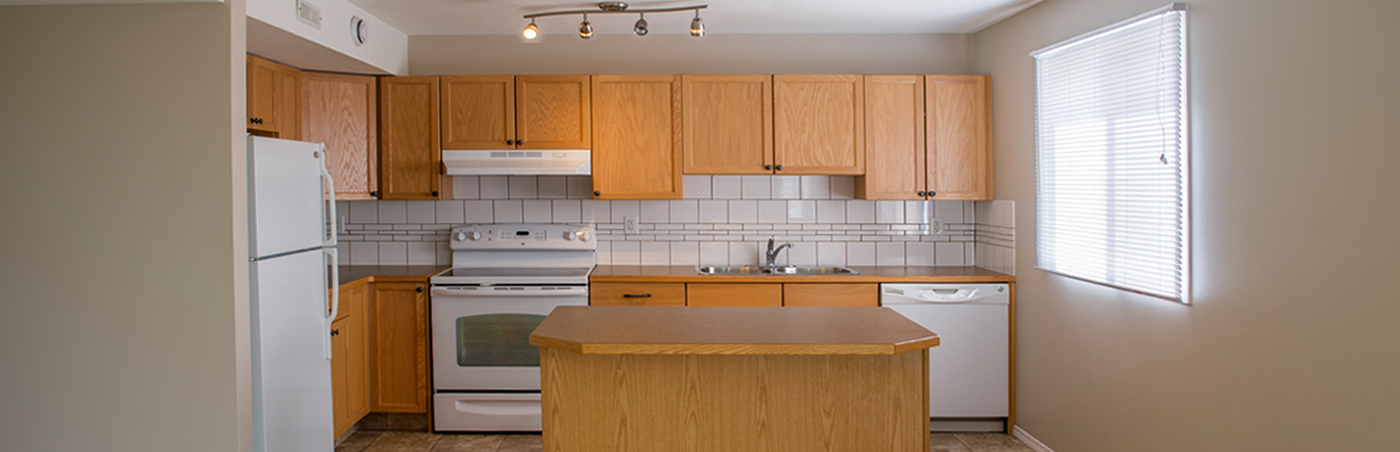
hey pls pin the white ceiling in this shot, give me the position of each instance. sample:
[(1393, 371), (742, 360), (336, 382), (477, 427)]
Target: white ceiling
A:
[(499, 17)]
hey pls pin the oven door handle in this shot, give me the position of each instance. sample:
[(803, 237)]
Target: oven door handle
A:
[(474, 292)]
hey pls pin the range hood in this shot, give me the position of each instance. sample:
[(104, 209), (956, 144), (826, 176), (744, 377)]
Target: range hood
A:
[(518, 162)]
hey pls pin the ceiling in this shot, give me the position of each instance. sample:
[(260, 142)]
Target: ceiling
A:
[(500, 17)]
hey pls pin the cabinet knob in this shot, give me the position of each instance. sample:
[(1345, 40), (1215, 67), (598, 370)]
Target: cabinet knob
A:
[(418, 289), (780, 167), (921, 193), (597, 193), (374, 194), (931, 193), (510, 141), (435, 193), (768, 167), (335, 332)]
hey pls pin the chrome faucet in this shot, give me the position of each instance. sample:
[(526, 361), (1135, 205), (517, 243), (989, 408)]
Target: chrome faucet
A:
[(771, 263)]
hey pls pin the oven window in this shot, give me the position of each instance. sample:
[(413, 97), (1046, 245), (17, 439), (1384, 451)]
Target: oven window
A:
[(497, 340)]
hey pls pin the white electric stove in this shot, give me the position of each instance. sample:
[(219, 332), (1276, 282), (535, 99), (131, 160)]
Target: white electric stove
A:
[(505, 279)]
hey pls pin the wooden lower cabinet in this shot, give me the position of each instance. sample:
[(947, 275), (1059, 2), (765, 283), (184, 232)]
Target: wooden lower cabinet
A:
[(398, 347), (820, 294), (733, 294), (350, 358), (636, 294)]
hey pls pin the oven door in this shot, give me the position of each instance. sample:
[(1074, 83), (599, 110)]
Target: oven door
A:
[(481, 334)]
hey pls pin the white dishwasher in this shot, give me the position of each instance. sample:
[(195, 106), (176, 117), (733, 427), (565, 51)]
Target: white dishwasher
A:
[(969, 369)]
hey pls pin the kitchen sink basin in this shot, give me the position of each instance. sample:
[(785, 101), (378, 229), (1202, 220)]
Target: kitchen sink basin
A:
[(788, 270)]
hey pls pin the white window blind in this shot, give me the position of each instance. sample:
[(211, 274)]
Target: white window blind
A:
[(1112, 181)]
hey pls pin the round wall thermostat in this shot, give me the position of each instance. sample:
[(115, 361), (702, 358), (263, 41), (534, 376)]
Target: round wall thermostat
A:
[(359, 30)]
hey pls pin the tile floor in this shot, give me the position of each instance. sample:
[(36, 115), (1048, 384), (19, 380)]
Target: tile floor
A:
[(401, 441)]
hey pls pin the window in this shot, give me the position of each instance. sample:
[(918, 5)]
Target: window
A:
[(1112, 164)]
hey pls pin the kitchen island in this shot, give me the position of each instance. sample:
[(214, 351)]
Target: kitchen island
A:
[(659, 379)]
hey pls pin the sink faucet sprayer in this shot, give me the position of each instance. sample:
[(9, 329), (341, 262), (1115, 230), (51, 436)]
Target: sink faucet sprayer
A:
[(773, 253)]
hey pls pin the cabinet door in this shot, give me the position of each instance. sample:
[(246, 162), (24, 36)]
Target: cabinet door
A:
[(728, 124), (819, 124), (262, 94), (356, 334), (820, 294), (894, 138), (410, 153), (340, 350), (288, 103), (552, 112), (478, 112), (339, 110), (398, 347), (959, 137), (636, 294), (636, 137), (735, 294)]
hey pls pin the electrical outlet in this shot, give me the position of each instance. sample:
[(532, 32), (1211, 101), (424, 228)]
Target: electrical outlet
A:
[(629, 225), (935, 226)]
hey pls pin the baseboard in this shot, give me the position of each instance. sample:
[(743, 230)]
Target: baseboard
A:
[(1030, 441)]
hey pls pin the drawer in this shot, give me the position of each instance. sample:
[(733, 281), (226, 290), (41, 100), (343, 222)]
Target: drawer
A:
[(636, 294), (734, 294), (819, 294)]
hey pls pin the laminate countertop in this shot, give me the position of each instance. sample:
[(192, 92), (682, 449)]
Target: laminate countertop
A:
[(884, 274), (387, 273), (665, 330)]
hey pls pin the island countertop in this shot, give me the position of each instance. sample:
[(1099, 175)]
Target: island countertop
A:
[(664, 330)]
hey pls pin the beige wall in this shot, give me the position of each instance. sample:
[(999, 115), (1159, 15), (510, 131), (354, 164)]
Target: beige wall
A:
[(124, 309), (1292, 342), (716, 53)]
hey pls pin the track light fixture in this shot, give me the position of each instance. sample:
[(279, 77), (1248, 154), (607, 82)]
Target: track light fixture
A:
[(697, 25), (585, 28), (641, 27)]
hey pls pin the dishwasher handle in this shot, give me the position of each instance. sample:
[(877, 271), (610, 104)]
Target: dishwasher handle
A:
[(895, 294)]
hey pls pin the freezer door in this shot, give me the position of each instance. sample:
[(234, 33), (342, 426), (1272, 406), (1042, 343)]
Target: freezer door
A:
[(285, 196), (292, 409)]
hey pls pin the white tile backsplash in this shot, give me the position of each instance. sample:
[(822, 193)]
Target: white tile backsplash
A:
[(723, 220), (422, 212), (727, 187), (495, 187)]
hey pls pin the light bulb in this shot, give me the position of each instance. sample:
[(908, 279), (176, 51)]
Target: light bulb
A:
[(531, 31), (585, 29), (641, 28), (697, 25)]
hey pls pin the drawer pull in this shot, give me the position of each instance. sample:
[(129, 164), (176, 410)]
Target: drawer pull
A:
[(636, 295)]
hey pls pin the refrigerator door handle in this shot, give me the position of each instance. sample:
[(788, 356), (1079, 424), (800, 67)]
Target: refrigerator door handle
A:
[(334, 294), (330, 204)]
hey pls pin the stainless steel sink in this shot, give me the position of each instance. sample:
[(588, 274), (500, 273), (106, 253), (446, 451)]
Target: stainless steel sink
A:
[(794, 270), (741, 270), (789, 270)]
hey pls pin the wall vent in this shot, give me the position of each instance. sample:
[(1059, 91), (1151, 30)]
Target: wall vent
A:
[(309, 14)]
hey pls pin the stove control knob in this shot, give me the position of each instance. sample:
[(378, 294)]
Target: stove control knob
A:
[(461, 236), (569, 235), (474, 235), (584, 235)]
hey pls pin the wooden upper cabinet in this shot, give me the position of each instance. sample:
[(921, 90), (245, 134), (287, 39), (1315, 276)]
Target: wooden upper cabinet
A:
[(340, 110), (636, 136), (959, 137), (894, 138), (478, 112), (728, 124), (819, 124), (288, 102), (262, 94), (410, 153), (552, 112)]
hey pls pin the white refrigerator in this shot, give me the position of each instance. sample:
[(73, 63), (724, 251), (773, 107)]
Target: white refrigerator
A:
[(293, 263)]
